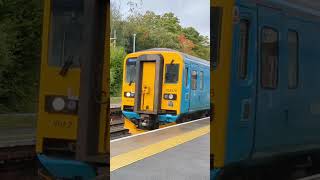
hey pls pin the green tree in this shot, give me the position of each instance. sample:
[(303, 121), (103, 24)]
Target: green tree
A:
[(117, 57), (20, 28)]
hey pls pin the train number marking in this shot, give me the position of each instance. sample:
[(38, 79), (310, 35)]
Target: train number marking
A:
[(62, 124)]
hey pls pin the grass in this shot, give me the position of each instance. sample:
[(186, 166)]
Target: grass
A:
[(115, 100), (17, 121)]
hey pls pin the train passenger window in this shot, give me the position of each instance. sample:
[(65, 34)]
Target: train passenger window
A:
[(66, 33), (131, 70), (194, 80), (201, 80), (186, 77), (293, 59), (243, 47), (269, 58), (172, 73)]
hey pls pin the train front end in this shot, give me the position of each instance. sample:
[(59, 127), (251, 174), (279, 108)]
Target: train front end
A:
[(151, 90), (61, 149)]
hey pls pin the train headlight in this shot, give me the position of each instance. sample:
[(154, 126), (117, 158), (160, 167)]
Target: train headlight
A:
[(170, 97), (129, 94), (58, 104), (61, 104)]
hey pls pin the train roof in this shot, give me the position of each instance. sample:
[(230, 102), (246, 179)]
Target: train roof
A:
[(310, 8), (191, 58)]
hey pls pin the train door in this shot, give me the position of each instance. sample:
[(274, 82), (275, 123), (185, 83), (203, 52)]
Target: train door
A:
[(270, 111), (186, 87), (149, 71), (295, 112), (147, 90), (194, 96), (243, 90)]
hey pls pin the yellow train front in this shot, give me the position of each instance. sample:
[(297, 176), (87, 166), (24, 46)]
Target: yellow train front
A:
[(162, 87), (72, 138)]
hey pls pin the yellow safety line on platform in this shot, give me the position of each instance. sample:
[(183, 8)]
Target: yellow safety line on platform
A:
[(128, 158)]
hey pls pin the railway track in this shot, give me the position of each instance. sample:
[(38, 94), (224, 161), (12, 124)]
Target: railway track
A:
[(117, 129), (17, 143)]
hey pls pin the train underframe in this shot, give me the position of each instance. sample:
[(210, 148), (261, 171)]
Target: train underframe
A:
[(145, 122)]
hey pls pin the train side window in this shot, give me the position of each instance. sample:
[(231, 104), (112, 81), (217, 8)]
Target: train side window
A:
[(186, 77), (194, 80), (172, 73), (243, 47), (293, 59), (201, 80), (269, 58)]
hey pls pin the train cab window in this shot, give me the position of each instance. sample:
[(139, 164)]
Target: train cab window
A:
[(186, 77), (216, 23), (131, 70), (269, 58), (293, 59), (194, 80), (201, 80), (243, 47), (172, 73), (66, 33)]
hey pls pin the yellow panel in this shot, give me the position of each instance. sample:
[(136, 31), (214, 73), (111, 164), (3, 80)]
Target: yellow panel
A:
[(132, 127), (59, 126), (104, 135), (220, 84), (134, 130), (147, 88)]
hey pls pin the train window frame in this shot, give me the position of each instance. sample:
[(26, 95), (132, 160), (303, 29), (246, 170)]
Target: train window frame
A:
[(295, 83), (271, 83), (216, 22), (186, 77), (134, 77), (244, 52), (201, 77), (176, 79), (194, 79)]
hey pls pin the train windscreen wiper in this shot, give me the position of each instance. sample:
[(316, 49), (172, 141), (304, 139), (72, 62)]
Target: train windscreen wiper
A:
[(66, 66), (131, 81)]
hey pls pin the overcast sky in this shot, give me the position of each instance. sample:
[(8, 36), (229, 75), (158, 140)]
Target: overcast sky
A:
[(195, 13)]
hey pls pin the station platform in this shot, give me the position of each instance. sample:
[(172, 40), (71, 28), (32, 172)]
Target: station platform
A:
[(178, 152)]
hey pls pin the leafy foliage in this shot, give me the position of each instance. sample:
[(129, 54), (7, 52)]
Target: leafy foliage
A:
[(117, 56), (20, 32), (152, 31)]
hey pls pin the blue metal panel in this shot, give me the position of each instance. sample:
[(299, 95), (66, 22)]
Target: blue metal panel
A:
[(200, 99), (67, 169), (131, 115), (167, 118), (214, 174)]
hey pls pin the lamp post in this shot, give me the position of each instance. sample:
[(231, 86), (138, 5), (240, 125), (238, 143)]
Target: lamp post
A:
[(134, 42)]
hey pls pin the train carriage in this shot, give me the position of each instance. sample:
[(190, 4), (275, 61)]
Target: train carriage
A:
[(162, 87), (264, 78)]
